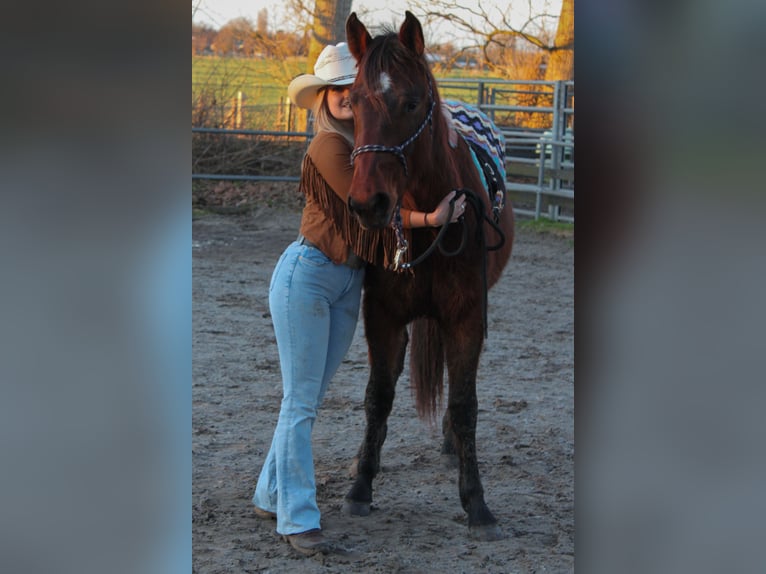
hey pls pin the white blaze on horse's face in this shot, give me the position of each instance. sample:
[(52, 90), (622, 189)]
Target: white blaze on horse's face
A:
[(385, 82)]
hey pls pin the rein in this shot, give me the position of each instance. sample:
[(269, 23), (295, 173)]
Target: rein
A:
[(398, 150)]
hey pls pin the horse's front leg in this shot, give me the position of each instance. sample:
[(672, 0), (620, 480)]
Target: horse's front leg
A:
[(462, 363), (387, 344)]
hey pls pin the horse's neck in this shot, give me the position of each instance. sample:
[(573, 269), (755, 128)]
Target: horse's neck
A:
[(429, 189), (436, 175), (436, 178)]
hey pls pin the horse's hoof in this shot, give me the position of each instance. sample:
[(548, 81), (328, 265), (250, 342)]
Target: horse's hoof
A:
[(485, 532), (450, 461), (355, 508)]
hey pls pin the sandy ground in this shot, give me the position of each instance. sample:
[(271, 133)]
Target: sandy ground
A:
[(525, 434)]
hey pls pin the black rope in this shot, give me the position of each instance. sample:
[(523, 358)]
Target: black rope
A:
[(478, 207), (438, 240)]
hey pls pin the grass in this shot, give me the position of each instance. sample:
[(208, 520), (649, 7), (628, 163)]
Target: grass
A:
[(244, 73), (216, 83), (544, 225)]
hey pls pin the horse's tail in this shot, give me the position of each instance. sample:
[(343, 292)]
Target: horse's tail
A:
[(426, 366)]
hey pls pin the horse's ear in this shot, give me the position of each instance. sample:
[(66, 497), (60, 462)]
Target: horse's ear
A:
[(411, 34), (357, 36)]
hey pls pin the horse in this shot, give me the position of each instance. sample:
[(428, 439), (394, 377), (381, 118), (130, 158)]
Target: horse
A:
[(403, 153)]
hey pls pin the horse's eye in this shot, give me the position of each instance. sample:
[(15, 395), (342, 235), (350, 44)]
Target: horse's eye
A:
[(411, 106)]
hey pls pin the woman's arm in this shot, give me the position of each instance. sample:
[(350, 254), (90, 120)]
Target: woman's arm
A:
[(435, 218), (330, 153)]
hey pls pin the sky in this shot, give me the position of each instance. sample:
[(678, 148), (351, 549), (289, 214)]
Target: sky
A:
[(217, 12)]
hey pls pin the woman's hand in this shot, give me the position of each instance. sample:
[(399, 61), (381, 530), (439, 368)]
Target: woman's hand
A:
[(438, 217)]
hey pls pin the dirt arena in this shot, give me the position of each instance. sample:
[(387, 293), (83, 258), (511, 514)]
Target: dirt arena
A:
[(525, 433)]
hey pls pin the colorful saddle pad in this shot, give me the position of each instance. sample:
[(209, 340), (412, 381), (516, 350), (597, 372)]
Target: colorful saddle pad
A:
[(477, 128), (487, 145)]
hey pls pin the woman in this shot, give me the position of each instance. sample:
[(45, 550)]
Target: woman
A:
[(315, 293)]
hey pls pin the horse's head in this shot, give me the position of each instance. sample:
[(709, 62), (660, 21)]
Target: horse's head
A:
[(393, 99)]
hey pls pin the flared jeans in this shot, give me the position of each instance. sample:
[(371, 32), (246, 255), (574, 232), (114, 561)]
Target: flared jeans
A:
[(314, 306)]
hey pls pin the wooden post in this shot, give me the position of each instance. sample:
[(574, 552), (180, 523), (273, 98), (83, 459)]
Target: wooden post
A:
[(238, 111)]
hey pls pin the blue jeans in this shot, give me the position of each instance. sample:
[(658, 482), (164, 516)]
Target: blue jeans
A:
[(314, 307)]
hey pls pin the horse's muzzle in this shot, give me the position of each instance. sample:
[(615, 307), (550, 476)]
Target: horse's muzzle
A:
[(372, 214)]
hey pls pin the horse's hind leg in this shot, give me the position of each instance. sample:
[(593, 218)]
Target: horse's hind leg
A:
[(462, 362), (449, 455), (387, 353)]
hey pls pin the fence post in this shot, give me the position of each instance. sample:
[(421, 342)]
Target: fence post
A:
[(559, 133), (558, 110), (238, 111), (289, 106), (540, 178)]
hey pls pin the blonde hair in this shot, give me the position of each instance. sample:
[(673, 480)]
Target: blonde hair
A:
[(325, 122)]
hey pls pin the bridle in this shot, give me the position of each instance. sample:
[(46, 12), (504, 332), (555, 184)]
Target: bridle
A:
[(398, 150)]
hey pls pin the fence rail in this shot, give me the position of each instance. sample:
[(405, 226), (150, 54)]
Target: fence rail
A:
[(539, 160)]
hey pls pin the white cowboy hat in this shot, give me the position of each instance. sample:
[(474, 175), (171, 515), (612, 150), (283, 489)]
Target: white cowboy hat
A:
[(335, 66)]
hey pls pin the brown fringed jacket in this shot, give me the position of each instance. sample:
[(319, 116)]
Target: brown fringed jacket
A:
[(326, 221)]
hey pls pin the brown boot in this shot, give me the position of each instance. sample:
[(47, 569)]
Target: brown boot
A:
[(261, 513), (309, 542)]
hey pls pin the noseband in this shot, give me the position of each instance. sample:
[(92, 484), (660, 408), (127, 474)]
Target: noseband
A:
[(398, 150)]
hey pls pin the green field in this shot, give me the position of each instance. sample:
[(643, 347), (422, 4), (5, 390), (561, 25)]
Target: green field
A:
[(265, 81)]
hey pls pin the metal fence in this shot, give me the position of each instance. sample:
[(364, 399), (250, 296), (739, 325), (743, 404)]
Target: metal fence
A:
[(536, 118)]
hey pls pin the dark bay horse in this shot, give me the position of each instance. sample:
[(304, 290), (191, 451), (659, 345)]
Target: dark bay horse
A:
[(403, 154)]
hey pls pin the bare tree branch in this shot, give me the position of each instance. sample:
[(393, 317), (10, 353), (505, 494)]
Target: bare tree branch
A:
[(506, 43)]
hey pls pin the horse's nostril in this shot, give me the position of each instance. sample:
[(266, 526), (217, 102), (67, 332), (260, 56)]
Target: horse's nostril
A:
[(379, 204)]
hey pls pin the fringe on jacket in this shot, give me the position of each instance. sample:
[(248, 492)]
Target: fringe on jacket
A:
[(376, 246)]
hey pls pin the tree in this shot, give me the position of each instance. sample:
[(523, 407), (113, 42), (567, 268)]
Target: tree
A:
[(329, 26), (322, 24), (561, 61), (203, 37), (262, 25), (490, 29), (522, 51), (236, 37)]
